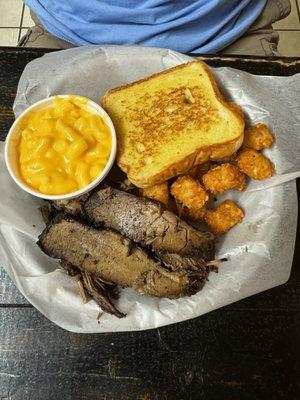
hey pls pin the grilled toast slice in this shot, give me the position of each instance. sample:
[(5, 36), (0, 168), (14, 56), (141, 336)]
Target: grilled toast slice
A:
[(170, 122)]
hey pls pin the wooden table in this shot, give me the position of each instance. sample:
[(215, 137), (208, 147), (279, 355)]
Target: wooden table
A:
[(247, 350)]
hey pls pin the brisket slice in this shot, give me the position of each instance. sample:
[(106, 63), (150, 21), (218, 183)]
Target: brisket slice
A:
[(72, 206), (102, 292), (113, 258), (177, 244)]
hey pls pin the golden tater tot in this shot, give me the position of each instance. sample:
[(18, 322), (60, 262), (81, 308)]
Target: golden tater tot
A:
[(196, 214), (224, 217), (199, 170), (190, 214), (224, 177), (258, 137), (158, 192), (189, 192), (254, 164)]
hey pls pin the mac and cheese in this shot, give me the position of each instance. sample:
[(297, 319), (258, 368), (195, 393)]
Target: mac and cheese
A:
[(63, 148)]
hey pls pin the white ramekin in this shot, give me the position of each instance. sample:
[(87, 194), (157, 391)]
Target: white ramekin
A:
[(13, 137)]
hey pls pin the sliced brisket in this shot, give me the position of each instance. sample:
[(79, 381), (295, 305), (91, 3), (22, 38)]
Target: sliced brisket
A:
[(113, 258), (177, 244)]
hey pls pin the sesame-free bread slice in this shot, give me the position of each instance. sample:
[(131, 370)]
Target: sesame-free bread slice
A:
[(170, 122)]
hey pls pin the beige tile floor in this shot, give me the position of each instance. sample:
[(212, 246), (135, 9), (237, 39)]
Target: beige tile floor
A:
[(15, 19)]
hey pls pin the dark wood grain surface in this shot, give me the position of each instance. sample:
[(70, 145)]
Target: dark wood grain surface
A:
[(248, 350)]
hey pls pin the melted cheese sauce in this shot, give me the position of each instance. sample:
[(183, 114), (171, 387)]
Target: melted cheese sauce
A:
[(63, 148)]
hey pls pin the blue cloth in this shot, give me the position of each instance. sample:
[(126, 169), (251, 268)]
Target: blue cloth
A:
[(188, 26)]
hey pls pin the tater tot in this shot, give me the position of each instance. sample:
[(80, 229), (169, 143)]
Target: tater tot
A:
[(196, 214), (224, 217), (190, 214), (199, 170), (224, 177), (158, 192), (254, 164), (258, 137), (189, 192)]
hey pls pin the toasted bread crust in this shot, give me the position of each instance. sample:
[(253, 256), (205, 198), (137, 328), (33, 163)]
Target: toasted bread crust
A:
[(201, 155), (214, 153)]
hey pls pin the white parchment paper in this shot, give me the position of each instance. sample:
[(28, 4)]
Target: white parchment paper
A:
[(260, 249)]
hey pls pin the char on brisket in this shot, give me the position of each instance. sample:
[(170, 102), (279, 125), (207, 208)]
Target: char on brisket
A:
[(102, 292), (72, 206), (177, 244)]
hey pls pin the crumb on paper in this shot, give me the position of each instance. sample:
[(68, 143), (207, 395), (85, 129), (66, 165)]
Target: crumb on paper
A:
[(100, 314)]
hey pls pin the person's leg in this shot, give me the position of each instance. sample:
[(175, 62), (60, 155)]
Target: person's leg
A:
[(38, 36), (261, 39)]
